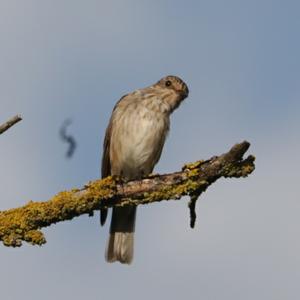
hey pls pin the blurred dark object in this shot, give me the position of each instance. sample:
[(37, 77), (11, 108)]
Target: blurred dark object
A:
[(68, 138)]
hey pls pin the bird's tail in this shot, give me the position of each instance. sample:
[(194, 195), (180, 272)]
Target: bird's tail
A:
[(121, 238)]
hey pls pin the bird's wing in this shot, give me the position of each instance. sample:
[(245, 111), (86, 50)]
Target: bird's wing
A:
[(106, 165), (105, 168)]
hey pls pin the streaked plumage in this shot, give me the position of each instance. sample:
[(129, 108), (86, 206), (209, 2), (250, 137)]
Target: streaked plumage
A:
[(132, 146)]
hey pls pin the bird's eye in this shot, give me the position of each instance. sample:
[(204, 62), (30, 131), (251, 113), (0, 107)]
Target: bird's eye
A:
[(168, 83)]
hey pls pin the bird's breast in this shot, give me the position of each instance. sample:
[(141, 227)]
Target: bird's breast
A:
[(137, 139)]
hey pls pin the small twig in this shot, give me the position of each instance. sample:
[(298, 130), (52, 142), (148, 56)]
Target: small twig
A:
[(192, 207), (67, 138), (11, 122)]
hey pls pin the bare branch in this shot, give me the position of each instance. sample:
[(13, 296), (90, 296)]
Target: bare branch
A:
[(10, 123), (23, 223)]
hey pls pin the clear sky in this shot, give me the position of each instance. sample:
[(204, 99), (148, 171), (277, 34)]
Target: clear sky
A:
[(75, 59)]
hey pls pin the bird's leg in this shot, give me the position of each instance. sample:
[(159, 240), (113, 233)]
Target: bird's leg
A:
[(120, 180)]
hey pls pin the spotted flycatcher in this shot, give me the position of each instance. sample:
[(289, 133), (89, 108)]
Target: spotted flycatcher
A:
[(133, 143)]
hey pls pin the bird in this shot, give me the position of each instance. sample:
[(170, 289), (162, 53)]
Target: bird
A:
[(133, 143)]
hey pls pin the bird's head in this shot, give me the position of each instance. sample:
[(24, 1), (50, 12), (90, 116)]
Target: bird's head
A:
[(173, 90)]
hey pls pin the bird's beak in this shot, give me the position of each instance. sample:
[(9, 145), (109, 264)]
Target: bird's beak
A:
[(184, 93)]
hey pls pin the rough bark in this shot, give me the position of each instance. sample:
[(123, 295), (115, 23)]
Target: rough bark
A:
[(24, 223), (5, 126)]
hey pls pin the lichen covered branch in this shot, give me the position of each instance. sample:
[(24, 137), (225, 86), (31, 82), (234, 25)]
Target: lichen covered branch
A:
[(24, 223), (5, 126)]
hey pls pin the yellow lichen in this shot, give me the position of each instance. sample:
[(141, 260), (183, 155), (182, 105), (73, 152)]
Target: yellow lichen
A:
[(193, 165)]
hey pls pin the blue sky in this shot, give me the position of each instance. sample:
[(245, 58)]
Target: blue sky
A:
[(75, 59)]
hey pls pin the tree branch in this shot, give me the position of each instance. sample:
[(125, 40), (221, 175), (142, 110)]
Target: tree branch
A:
[(10, 123), (23, 223)]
